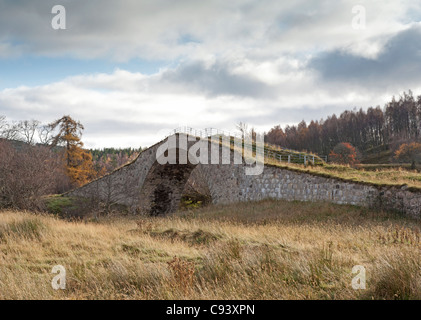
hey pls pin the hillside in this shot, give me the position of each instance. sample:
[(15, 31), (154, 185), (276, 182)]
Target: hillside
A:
[(381, 159), (259, 250)]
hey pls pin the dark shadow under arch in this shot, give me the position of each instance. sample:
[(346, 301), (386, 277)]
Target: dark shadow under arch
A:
[(163, 188)]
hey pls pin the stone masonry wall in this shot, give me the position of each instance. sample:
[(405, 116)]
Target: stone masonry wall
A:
[(279, 183)]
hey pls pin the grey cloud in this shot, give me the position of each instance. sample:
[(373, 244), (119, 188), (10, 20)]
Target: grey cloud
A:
[(217, 80), (120, 30), (163, 29), (399, 63)]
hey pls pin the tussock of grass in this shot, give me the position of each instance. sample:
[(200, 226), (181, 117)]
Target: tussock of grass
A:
[(30, 229), (398, 277), (257, 250)]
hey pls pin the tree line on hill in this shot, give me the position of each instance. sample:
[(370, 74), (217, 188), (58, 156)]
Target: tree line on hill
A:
[(108, 159), (372, 130)]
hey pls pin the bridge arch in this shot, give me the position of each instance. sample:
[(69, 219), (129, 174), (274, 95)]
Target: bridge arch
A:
[(163, 188)]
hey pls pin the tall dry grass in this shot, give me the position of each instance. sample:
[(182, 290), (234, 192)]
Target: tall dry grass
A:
[(257, 250)]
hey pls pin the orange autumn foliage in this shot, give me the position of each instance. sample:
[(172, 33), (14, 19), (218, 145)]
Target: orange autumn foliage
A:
[(78, 161), (409, 152), (344, 153)]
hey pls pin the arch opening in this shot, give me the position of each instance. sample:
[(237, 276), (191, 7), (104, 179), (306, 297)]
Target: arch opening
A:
[(196, 192), (166, 185)]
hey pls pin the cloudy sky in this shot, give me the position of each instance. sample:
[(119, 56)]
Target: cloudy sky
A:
[(132, 70)]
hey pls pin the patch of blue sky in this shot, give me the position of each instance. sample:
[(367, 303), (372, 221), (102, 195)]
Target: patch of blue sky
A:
[(187, 38), (35, 71)]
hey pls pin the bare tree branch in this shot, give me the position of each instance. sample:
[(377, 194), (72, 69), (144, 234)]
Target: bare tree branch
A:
[(27, 130), (8, 131)]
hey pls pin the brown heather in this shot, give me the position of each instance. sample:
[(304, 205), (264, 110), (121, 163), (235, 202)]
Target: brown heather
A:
[(257, 250)]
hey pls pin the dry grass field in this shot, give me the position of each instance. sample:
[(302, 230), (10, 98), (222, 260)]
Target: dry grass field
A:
[(258, 250)]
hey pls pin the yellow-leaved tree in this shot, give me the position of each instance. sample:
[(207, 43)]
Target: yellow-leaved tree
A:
[(78, 161)]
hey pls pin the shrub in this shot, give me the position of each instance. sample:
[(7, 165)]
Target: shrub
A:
[(344, 153), (27, 174)]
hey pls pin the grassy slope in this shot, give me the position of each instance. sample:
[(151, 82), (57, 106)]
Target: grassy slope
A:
[(381, 157), (384, 177), (262, 250)]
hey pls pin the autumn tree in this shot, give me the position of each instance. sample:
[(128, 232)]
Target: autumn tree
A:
[(78, 161), (409, 152), (275, 136), (344, 153)]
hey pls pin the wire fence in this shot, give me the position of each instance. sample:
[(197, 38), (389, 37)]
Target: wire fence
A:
[(270, 151)]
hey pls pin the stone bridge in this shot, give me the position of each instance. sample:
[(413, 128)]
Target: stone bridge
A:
[(148, 185)]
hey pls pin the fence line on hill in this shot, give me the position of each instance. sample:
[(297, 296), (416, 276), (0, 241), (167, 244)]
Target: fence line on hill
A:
[(271, 151)]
